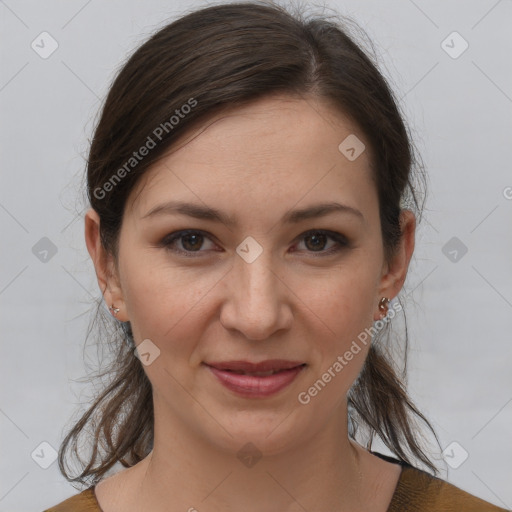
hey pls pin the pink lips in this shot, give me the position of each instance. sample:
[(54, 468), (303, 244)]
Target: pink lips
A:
[(256, 386)]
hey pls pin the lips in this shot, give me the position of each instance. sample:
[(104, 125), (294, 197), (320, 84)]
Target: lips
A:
[(267, 367), (256, 380)]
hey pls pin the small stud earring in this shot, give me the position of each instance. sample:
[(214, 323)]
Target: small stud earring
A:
[(383, 306), (113, 310)]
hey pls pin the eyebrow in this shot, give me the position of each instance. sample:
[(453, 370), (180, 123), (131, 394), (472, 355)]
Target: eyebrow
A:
[(291, 217)]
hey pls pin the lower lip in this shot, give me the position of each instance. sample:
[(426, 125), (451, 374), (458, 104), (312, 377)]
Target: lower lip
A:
[(252, 386)]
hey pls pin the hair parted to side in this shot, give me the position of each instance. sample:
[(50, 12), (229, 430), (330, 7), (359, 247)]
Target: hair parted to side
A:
[(218, 58)]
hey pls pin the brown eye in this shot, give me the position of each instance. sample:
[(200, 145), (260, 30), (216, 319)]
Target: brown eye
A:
[(192, 242), (186, 242), (317, 241)]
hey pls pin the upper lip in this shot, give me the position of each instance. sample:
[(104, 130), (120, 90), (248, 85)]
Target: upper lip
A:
[(262, 366)]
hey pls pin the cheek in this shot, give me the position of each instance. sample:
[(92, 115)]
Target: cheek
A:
[(344, 302), (163, 302), (344, 306), (341, 354)]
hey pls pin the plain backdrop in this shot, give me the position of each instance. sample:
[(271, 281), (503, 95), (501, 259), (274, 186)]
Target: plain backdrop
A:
[(456, 91)]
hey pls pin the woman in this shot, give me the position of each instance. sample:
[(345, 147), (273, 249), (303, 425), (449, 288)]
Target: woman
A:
[(248, 179)]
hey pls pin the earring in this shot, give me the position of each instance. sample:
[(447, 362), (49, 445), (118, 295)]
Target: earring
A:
[(383, 306), (113, 310)]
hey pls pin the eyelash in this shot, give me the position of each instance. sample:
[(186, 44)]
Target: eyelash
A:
[(340, 240)]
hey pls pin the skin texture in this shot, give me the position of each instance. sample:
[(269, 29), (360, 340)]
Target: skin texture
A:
[(293, 301)]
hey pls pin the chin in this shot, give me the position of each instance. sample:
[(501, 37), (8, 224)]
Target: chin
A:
[(269, 432)]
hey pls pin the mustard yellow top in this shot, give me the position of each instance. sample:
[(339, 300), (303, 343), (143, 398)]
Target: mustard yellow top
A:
[(416, 491)]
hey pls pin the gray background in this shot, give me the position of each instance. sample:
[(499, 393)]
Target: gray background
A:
[(459, 311)]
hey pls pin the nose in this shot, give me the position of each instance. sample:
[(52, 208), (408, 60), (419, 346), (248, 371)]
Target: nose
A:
[(257, 300)]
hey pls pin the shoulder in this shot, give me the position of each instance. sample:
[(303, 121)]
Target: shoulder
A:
[(83, 502), (419, 491)]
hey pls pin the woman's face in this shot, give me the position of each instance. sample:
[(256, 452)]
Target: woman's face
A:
[(278, 278)]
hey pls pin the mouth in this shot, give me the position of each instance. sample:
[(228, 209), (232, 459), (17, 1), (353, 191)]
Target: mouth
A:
[(256, 380)]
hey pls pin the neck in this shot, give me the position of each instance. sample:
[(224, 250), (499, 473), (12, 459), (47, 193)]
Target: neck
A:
[(185, 472)]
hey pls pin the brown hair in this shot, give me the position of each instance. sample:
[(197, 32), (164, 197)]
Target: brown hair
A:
[(214, 59)]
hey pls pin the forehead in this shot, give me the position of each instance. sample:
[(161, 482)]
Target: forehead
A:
[(274, 149)]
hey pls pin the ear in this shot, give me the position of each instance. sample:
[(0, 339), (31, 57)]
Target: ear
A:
[(106, 271), (394, 272)]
